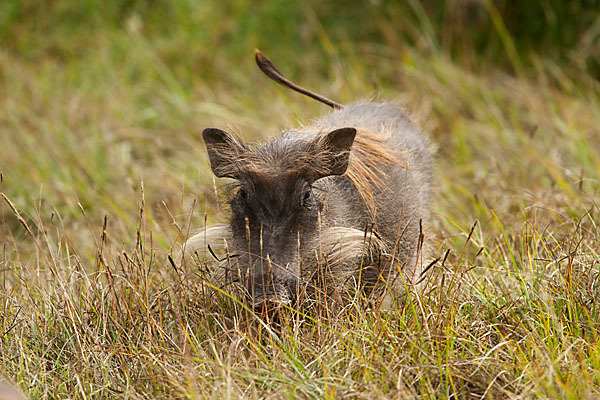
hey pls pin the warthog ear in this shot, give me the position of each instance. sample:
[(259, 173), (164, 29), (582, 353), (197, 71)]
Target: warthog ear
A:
[(224, 151), (335, 148)]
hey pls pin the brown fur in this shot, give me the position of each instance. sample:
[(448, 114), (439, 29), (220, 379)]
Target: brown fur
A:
[(364, 170)]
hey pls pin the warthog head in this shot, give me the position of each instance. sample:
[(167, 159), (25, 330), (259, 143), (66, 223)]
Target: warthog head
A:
[(275, 213)]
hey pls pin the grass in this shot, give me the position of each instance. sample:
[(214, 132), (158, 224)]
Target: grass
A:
[(103, 174)]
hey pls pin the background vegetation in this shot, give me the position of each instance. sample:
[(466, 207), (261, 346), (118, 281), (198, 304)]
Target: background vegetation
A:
[(103, 174)]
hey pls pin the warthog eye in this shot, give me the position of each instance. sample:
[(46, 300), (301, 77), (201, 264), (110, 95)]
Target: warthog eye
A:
[(243, 193), (307, 197)]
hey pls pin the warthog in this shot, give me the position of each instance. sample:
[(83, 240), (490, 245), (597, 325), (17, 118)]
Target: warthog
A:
[(341, 201)]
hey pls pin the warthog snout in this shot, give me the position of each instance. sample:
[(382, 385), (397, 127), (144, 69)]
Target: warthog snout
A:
[(271, 284)]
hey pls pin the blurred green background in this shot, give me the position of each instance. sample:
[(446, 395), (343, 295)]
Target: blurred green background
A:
[(501, 31)]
